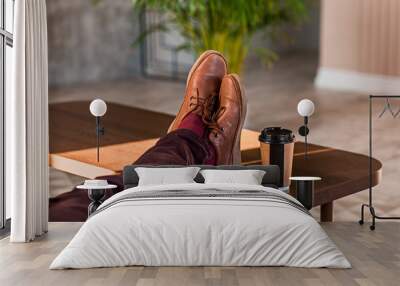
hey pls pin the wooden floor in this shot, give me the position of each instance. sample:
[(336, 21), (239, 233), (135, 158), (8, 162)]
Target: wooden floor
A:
[(375, 257)]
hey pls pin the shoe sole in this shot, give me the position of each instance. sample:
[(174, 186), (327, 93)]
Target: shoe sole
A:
[(196, 64), (236, 154)]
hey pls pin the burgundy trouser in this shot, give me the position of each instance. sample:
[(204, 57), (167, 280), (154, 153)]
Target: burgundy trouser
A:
[(180, 147)]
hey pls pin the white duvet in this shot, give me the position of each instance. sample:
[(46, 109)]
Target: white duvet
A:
[(200, 231)]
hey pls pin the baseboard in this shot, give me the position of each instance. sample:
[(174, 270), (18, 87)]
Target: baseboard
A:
[(355, 81)]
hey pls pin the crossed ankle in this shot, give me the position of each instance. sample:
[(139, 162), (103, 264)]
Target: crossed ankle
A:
[(195, 123)]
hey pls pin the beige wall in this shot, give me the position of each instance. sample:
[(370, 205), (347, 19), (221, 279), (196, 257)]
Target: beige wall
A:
[(361, 36)]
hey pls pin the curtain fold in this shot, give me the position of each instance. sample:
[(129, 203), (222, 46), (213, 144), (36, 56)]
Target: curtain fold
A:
[(27, 124)]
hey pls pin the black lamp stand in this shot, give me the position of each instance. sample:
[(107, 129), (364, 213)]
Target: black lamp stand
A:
[(99, 132), (303, 131)]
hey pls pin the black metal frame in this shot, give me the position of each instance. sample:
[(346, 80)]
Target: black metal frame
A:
[(145, 49), (370, 203)]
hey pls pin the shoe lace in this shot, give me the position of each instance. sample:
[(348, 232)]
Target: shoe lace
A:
[(207, 109), (196, 102), (214, 127)]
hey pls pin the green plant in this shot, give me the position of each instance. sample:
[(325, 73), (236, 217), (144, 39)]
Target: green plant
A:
[(224, 25)]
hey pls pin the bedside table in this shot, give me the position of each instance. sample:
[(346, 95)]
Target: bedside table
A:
[(305, 190), (96, 195)]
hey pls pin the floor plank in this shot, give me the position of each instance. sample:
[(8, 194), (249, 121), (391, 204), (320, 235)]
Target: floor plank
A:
[(375, 257)]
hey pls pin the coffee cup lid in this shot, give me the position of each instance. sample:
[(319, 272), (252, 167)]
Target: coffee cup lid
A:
[(276, 135)]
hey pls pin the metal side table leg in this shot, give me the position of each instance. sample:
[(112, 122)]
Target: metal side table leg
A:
[(327, 212), (96, 196)]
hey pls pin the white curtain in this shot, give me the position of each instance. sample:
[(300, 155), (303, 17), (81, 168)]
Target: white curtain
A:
[(27, 124)]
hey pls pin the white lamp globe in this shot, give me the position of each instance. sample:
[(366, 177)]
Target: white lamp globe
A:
[(98, 107), (305, 107)]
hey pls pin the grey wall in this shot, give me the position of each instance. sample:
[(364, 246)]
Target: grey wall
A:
[(302, 38), (307, 37), (91, 43)]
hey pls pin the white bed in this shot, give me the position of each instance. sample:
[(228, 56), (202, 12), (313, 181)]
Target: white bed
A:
[(269, 229)]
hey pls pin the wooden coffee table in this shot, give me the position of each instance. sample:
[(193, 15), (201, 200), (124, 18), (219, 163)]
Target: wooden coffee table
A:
[(131, 131)]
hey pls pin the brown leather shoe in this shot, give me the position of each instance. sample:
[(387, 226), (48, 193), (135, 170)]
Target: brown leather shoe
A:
[(204, 81), (229, 119)]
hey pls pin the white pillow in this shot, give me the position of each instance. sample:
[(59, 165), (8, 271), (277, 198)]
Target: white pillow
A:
[(163, 176), (248, 177)]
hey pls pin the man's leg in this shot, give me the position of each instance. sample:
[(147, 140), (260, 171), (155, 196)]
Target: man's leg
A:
[(187, 141), (187, 145), (192, 143)]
